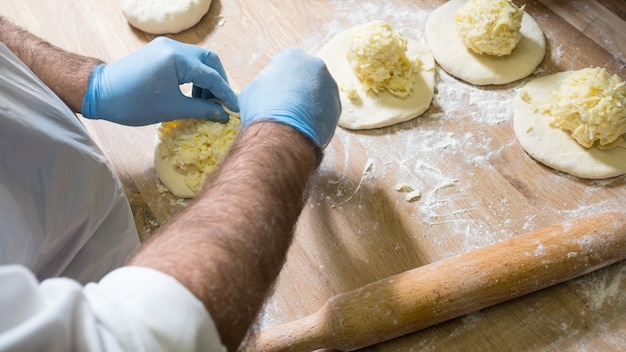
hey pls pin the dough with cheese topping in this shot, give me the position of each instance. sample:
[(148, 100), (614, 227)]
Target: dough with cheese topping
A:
[(555, 147), (482, 69), (377, 54), (589, 104), (186, 152), (383, 77)]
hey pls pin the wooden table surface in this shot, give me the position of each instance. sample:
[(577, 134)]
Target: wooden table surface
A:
[(478, 186)]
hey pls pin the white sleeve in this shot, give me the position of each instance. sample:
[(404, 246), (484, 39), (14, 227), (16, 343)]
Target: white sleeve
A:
[(130, 309), (63, 210)]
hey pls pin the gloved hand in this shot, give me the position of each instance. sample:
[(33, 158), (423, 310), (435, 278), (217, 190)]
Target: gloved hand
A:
[(295, 89), (144, 87)]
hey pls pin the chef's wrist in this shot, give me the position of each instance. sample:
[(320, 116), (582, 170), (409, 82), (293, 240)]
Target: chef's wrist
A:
[(294, 133)]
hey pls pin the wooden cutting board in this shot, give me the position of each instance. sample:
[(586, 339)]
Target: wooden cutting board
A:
[(478, 186)]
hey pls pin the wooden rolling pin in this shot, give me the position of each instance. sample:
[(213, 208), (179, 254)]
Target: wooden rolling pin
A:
[(433, 293)]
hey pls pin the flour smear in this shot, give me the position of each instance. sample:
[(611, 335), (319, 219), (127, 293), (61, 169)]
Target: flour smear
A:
[(416, 151), (465, 136)]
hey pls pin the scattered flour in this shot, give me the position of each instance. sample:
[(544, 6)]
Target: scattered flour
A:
[(604, 289), (465, 136)]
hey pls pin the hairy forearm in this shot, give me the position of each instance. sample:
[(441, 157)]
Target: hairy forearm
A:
[(229, 245), (67, 74)]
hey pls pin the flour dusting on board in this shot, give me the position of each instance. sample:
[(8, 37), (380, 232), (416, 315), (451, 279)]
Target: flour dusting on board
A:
[(413, 152), (451, 154), (605, 289), (409, 21)]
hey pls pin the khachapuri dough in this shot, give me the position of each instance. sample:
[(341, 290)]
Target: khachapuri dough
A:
[(383, 77), (164, 16), (186, 152), (485, 42), (574, 122)]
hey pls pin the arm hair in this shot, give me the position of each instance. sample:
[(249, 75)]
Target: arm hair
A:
[(229, 245), (67, 74)]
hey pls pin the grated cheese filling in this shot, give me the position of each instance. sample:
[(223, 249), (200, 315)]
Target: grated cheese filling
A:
[(490, 27), (589, 104), (197, 147), (377, 54)]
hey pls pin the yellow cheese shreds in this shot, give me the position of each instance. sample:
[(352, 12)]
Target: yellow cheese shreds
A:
[(196, 147), (589, 104), (349, 89), (489, 27), (377, 54)]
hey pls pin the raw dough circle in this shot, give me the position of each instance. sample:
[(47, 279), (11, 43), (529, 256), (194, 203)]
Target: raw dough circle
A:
[(456, 59), (164, 16), (373, 110), (553, 146)]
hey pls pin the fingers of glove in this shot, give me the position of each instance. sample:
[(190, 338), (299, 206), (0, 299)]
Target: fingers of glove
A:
[(191, 56), (213, 61), (208, 84), (193, 108), (143, 87), (295, 89), (201, 93), (298, 75), (208, 76), (144, 108), (184, 56)]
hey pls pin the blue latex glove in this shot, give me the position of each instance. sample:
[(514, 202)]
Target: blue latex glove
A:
[(297, 90), (144, 87)]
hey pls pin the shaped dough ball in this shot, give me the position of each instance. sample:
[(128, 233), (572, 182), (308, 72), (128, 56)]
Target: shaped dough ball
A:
[(164, 16)]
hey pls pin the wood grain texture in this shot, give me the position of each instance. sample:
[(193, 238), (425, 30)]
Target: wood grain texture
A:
[(595, 21), (478, 186), (446, 289)]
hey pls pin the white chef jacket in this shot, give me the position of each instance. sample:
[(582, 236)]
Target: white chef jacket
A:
[(64, 222)]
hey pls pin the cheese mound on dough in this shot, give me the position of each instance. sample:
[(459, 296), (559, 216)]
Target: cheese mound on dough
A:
[(489, 27), (196, 147), (589, 104), (377, 54)]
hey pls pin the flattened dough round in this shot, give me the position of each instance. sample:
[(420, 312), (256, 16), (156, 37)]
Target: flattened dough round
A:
[(554, 147), (373, 110), (456, 59), (164, 16)]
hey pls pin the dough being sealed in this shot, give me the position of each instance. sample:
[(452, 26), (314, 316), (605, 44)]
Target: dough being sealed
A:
[(483, 69), (554, 146), (164, 16), (383, 77), (186, 152)]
